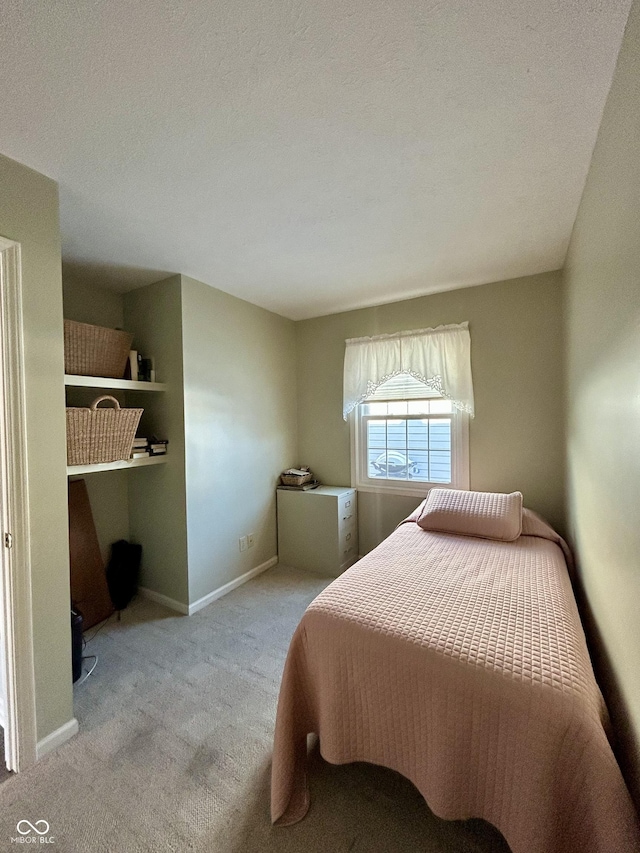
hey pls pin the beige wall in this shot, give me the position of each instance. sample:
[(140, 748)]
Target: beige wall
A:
[(29, 214), (602, 278), (517, 435), (240, 416), (85, 302), (157, 503)]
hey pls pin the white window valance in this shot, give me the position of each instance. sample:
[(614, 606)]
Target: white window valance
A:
[(440, 357)]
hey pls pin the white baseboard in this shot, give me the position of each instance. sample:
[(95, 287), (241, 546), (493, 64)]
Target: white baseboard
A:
[(189, 610), (234, 584), (171, 603), (57, 738)]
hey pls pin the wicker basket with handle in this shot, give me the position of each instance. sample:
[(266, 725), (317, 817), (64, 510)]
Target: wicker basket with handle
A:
[(295, 479), (100, 435), (95, 351)]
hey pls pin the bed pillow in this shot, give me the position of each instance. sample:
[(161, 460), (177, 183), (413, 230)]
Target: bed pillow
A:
[(488, 515)]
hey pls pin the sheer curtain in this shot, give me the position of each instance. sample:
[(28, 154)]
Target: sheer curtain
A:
[(440, 357)]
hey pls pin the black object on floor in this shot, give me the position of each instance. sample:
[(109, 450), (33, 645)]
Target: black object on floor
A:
[(76, 644), (123, 572)]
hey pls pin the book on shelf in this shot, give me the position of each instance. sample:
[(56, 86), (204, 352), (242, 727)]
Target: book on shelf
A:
[(145, 369), (133, 365), (148, 446), (140, 369)]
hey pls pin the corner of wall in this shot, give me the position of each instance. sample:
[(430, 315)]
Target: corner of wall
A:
[(157, 495)]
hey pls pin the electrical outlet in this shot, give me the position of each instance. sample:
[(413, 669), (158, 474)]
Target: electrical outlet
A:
[(251, 540), (242, 542)]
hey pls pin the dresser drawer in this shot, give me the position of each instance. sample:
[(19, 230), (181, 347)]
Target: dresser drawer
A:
[(347, 522), (347, 511), (348, 554), (347, 502), (348, 537)]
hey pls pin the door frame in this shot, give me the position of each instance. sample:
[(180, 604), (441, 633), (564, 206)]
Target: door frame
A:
[(15, 575)]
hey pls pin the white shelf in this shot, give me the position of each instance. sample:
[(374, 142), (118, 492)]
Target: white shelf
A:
[(122, 465), (111, 384)]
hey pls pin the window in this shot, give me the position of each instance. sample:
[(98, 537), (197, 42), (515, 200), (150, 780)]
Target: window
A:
[(407, 438)]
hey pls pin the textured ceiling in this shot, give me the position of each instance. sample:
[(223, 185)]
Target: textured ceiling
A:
[(310, 155)]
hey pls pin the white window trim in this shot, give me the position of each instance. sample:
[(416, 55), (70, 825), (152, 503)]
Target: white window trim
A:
[(460, 461)]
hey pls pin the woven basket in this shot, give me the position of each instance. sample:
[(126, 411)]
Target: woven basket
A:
[(94, 350), (295, 479), (100, 435)]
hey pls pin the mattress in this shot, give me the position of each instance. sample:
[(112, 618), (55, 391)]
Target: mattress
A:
[(461, 663)]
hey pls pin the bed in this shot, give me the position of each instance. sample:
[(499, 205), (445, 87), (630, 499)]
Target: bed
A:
[(461, 663)]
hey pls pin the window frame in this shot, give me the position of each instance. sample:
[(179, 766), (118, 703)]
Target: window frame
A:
[(408, 488)]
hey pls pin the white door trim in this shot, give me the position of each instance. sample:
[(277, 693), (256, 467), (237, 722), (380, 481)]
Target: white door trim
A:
[(15, 576)]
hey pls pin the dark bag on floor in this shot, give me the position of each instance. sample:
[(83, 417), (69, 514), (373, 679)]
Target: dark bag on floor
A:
[(123, 572), (76, 643)]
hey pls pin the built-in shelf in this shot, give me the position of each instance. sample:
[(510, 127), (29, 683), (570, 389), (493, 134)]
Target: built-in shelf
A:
[(111, 384), (123, 464)]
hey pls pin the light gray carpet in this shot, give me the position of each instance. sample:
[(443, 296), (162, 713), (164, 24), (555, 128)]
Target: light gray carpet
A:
[(175, 742)]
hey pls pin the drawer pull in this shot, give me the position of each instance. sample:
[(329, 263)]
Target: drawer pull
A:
[(347, 517), (348, 536), (346, 551), (347, 503)]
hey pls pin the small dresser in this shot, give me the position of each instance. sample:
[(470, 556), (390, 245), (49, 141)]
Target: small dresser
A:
[(318, 529)]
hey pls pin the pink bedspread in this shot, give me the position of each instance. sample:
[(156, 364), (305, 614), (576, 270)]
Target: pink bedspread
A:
[(462, 664)]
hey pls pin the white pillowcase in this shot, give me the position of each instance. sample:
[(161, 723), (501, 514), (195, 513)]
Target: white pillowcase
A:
[(487, 515)]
